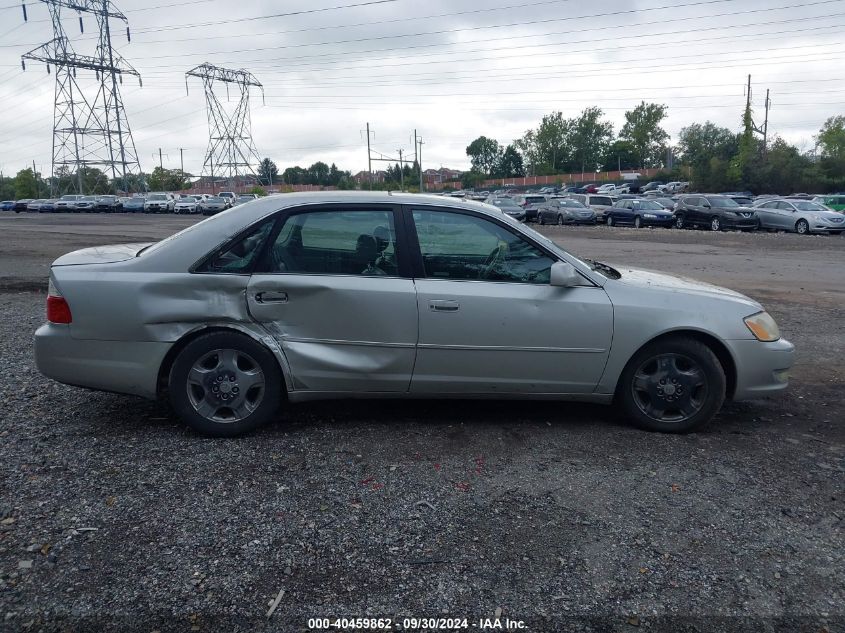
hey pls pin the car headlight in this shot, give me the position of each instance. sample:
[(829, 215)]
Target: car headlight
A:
[(650, 216), (763, 327)]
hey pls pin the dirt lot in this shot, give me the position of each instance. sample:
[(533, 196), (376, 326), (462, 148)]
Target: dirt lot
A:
[(116, 517)]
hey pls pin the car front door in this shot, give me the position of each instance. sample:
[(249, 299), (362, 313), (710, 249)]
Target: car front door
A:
[(490, 322), (786, 215), (332, 291)]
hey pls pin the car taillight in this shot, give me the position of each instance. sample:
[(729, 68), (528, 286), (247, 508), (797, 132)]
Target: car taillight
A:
[(58, 310)]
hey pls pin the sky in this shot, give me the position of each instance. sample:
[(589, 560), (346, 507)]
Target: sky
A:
[(451, 69)]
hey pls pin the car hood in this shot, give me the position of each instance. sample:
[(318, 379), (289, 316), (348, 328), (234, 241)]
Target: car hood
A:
[(650, 279), (101, 254)]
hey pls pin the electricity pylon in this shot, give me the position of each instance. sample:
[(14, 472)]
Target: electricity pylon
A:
[(88, 132), (231, 151)]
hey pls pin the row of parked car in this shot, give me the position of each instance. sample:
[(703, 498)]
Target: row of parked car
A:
[(800, 214), (160, 202)]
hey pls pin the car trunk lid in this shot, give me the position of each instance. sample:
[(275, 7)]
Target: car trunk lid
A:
[(108, 254)]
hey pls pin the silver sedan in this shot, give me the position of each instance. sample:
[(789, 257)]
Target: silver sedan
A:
[(356, 294), (801, 216)]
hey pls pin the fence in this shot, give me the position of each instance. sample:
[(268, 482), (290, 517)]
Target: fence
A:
[(557, 179)]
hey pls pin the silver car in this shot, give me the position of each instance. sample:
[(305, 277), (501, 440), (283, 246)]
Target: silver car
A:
[(384, 295), (801, 216)]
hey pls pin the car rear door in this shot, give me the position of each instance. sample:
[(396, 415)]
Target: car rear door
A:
[(334, 292), (490, 322)]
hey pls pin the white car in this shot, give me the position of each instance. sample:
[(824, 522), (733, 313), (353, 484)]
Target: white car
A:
[(187, 204), (606, 188), (159, 203)]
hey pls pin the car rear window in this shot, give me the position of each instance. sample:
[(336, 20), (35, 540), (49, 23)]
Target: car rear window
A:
[(601, 200)]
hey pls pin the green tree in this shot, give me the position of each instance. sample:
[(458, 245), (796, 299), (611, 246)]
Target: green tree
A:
[(708, 150), (831, 138), (620, 155), (7, 188), (318, 174), (268, 171), (26, 184), (294, 176), (590, 139), (643, 130), (471, 179), (258, 191), (485, 154), (167, 180), (510, 164)]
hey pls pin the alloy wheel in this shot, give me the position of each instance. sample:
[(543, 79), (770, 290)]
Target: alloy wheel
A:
[(637, 222), (670, 388), (225, 385), (679, 222), (801, 227), (715, 224)]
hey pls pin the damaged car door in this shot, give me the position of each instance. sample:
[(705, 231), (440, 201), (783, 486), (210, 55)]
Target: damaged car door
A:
[(332, 292)]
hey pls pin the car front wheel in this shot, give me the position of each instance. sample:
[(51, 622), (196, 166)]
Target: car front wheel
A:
[(540, 219), (715, 224), (801, 227), (638, 222), (224, 384), (679, 221), (674, 385), (560, 220), (610, 220)]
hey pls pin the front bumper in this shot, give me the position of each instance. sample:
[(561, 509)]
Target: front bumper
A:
[(761, 368), (120, 366)]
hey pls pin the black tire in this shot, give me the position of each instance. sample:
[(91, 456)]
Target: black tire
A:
[(685, 365), (715, 223), (802, 227), (540, 219), (560, 220), (203, 347), (610, 220), (679, 221), (638, 222)]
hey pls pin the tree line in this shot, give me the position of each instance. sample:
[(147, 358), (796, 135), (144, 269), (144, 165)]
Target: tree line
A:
[(712, 157)]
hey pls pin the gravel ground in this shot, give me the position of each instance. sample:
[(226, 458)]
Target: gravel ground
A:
[(115, 517)]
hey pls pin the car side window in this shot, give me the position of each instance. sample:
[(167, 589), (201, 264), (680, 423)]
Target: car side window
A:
[(459, 246), (784, 205), (238, 257), (341, 242)]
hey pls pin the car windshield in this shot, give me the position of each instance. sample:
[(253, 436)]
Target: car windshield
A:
[(573, 204), (68, 197), (722, 202), (157, 196), (89, 199), (808, 206), (214, 199), (106, 198), (647, 204)]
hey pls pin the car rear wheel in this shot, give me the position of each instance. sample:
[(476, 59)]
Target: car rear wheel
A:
[(638, 222), (540, 219), (679, 222), (715, 224), (560, 220), (224, 384), (673, 385), (801, 227)]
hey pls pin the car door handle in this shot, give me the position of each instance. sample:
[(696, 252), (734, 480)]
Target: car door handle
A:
[(271, 297), (442, 305)]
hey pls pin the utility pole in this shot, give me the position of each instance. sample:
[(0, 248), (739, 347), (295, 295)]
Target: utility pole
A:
[(182, 161), (766, 125), (401, 171), (369, 157), (422, 188), (160, 163), (748, 121)]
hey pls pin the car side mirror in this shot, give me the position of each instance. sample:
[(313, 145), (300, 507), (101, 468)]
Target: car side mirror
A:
[(564, 275), (706, 205)]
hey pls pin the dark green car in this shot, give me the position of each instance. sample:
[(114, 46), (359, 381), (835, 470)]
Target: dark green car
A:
[(834, 202)]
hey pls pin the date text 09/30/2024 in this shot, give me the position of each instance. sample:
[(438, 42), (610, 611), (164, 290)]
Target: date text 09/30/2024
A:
[(416, 624)]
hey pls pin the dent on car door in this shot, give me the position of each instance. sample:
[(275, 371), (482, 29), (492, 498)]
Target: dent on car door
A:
[(331, 292), (490, 322)]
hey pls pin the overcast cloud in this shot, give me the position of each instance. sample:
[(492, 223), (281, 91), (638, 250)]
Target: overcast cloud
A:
[(452, 69)]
